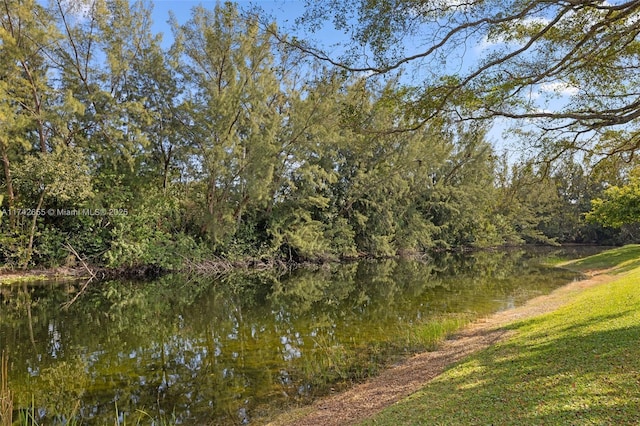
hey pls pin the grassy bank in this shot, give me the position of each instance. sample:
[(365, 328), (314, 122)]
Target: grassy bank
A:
[(10, 277), (577, 365)]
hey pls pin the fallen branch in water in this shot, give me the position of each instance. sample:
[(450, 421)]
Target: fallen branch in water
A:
[(218, 266), (214, 267), (73, 251), (84, 287), (92, 275)]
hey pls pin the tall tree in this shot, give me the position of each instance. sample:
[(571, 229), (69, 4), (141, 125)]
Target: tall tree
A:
[(101, 46), (527, 199), (302, 218), (26, 30), (232, 94)]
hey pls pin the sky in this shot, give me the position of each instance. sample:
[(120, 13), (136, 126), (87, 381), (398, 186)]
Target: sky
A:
[(285, 13)]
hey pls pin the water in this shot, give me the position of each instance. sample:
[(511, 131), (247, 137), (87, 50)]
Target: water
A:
[(236, 350)]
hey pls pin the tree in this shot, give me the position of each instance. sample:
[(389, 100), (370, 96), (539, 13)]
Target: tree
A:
[(566, 69), (152, 82), (230, 143), (62, 175), (25, 31), (232, 96), (101, 46), (528, 201), (302, 219), (620, 205)]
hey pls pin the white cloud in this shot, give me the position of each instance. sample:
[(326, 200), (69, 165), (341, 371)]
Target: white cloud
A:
[(560, 88), (535, 20), (78, 8), (510, 40)]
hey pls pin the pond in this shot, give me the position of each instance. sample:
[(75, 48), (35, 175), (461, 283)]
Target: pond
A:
[(236, 350)]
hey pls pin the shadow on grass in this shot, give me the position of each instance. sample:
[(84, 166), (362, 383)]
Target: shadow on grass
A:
[(576, 328), (622, 258), (581, 377)]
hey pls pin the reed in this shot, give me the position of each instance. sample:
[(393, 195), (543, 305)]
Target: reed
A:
[(430, 334), (6, 396)]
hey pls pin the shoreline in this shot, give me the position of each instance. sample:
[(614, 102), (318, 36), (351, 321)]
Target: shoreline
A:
[(218, 266), (12, 277), (366, 399)]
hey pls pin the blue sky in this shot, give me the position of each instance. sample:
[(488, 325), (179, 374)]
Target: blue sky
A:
[(284, 11)]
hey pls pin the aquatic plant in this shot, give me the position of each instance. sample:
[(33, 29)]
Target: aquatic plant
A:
[(6, 397)]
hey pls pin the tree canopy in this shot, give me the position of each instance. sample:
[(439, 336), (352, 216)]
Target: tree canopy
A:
[(228, 143), (566, 69), (620, 205)]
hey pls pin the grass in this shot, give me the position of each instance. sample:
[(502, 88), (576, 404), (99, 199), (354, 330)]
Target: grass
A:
[(621, 259), (431, 333), (10, 277), (579, 365), (19, 279)]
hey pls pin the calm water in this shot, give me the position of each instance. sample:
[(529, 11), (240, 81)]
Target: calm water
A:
[(235, 350)]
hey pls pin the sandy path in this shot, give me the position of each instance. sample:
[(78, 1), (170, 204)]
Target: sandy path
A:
[(366, 399)]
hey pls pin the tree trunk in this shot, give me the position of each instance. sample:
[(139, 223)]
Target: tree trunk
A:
[(167, 164), (9, 182), (37, 107), (32, 233)]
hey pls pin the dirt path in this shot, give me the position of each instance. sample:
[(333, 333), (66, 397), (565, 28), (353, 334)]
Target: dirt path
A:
[(366, 399)]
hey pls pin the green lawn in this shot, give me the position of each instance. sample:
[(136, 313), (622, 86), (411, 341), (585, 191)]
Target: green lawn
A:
[(579, 365), (622, 259)]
